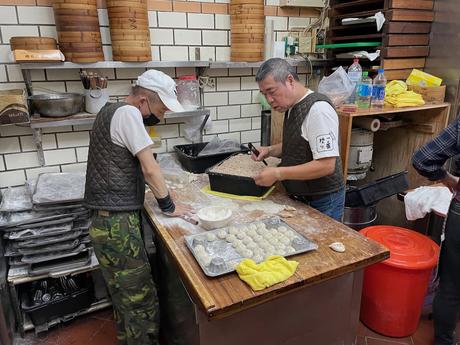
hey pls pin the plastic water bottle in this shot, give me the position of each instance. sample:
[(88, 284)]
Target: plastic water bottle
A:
[(364, 93), (354, 73), (378, 90)]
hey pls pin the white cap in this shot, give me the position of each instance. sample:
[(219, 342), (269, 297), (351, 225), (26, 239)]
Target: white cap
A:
[(163, 85)]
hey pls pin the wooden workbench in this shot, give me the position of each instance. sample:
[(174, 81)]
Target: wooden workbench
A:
[(319, 304)]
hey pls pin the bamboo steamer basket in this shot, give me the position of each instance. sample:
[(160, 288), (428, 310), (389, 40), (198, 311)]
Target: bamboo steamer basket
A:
[(129, 30), (247, 20), (33, 43), (77, 25)]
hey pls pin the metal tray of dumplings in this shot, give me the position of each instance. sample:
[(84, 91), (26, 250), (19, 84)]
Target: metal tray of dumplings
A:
[(223, 253)]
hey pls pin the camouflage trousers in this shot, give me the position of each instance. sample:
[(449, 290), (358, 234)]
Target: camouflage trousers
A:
[(124, 264)]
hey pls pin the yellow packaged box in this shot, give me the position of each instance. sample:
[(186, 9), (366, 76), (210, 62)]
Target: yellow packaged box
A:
[(430, 94), (13, 107)]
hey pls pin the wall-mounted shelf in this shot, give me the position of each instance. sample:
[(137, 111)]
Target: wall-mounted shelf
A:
[(37, 123)]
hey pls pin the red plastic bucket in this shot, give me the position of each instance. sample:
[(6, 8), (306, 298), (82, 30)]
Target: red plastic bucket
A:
[(394, 290)]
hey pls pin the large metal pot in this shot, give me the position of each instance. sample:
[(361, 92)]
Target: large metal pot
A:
[(56, 105), (359, 217)]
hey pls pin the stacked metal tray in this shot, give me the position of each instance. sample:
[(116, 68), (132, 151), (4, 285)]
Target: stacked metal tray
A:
[(44, 223), (219, 251)]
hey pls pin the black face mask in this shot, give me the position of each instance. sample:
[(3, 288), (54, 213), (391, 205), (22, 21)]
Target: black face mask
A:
[(152, 120)]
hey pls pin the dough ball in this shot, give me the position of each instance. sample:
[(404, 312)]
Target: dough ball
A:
[(246, 240), (233, 230), (205, 259), (199, 249), (222, 234), (285, 240), (282, 229), (211, 237), (230, 238), (252, 245), (258, 258), (252, 227), (236, 244), (252, 233), (260, 231), (291, 236), (246, 253), (244, 228), (241, 235), (290, 250), (257, 238), (273, 241)]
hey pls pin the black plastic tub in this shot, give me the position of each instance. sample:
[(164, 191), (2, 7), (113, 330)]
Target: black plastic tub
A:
[(66, 305), (232, 184), (372, 192), (190, 161)]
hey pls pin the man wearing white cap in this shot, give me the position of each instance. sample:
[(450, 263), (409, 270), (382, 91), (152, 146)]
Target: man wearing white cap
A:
[(120, 162)]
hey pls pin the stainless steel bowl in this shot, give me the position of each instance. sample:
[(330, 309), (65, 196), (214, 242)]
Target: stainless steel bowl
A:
[(56, 105)]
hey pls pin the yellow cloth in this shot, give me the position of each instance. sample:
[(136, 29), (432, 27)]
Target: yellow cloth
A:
[(207, 189), (396, 95), (269, 272)]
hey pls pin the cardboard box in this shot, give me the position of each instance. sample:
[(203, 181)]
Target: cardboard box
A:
[(13, 107), (430, 94)]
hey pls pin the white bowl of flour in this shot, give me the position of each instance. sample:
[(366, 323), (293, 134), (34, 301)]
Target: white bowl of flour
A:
[(214, 217)]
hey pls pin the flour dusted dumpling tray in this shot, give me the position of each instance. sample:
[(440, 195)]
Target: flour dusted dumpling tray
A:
[(219, 251), (234, 175)]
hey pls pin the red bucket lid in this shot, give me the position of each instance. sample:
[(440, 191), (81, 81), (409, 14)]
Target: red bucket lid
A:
[(408, 249)]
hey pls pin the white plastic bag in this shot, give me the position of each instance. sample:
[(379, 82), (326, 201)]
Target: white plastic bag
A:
[(338, 86)]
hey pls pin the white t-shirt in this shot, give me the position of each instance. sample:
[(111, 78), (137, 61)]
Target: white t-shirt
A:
[(127, 129), (321, 129)]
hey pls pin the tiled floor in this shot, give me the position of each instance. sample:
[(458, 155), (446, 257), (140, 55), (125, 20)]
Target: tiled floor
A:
[(99, 329)]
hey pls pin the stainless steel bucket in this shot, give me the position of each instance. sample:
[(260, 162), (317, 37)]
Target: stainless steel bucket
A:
[(360, 217)]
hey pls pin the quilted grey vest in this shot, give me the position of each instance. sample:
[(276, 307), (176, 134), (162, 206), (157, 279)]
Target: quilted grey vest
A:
[(114, 179), (296, 150)]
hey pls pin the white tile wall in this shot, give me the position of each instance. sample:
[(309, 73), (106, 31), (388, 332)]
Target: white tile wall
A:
[(2, 164), (167, 131), (240, 124), (228, 112), (48, 31), (35, 15), (215, 38), (129, 73), (8, 15), (231, 136), (206, 53), (56, 157), (223, 21), (153, 20), (298, 22), (228, 84), (9, 145), (174, 53), (21, 160), (239, 97), (82, 154), (3, 76), (250, 110), (218, 127), (250, 136), (240, 71), (222, 53), (215, 98), (103, 15), (105, 35), (18, 30), (161, 36), (187, 37), (48, 142), (248, 83), (81, 167), (200, 21), (172, 20), (72, 139), (8, 131), (279, 23), (12, 178)]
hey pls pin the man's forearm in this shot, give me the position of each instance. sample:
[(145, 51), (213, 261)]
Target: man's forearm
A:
[(275, 150), (308, 171), (156, 183)]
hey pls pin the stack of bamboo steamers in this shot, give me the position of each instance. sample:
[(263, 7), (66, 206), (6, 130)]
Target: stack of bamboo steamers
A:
[(247, 30), (77, 26), (129, 30), (79, 36)]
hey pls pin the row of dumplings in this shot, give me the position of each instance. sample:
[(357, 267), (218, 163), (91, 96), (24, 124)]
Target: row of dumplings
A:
[(253, 241)]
